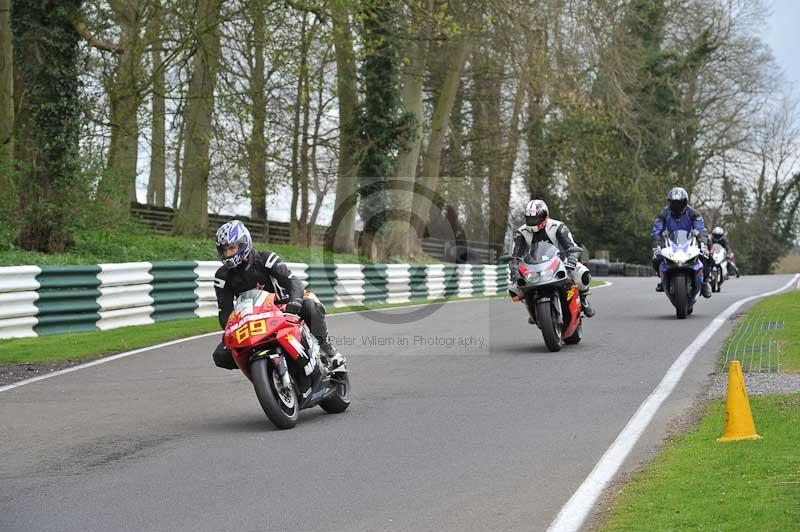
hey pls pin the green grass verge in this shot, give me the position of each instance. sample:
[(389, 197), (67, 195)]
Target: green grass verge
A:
[(95, 247), (85, 346), (697, 484), (786, 308)]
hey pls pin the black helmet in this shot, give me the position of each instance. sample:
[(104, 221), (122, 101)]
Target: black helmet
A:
[(677, 200)]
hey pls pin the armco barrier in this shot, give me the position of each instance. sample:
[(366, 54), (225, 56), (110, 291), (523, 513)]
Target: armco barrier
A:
[(601, 268), (45, 300)]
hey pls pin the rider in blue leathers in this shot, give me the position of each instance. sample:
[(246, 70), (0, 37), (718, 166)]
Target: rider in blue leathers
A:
[(677, 216)]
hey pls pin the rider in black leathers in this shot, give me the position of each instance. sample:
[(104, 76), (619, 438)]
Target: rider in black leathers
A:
[(247, 269)]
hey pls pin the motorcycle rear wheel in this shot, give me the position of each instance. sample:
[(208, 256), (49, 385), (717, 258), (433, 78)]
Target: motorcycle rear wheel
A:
[(338, 402), (282, 409), (680, 296), (550, 332)]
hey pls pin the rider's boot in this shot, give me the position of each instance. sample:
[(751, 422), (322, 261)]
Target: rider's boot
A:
[(334, 358), (659, 287), (706, 288), (588, 309)]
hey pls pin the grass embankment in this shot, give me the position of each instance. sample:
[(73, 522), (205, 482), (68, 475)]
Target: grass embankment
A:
[(699, 484), (781, 308), (84, 346), (96, 247)]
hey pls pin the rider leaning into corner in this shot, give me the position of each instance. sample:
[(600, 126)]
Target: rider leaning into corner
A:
[(539, 227), (678, 216), (244, 269)]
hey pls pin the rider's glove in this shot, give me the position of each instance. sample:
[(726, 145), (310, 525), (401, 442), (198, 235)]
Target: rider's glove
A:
[(293, 306), (656, 253), (572, 262), (704, 249)]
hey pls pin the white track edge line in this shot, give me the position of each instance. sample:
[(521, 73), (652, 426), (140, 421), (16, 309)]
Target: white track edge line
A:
[(103, 361), (574, 513), (118, 356)]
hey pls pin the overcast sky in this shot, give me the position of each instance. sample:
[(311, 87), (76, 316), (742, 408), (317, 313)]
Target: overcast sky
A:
[(784, 38)]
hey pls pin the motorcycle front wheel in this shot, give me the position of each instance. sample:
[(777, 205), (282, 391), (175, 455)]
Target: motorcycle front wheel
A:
[(280, 406), (680, 296), (544, 316)]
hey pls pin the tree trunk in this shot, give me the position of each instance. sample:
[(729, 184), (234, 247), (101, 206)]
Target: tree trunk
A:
[(500, 186), (178, 167), (340, 236), (293, 222), (401, 192), (428, 181), (6, 94), (486, 143), (258, 142), (192, 216), (48, 124), (302, 226), (118, 186), (157, 183), (319, 192)]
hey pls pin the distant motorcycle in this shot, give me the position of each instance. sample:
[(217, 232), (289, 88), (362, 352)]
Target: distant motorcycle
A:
[(719, 273), (278, 353), (732, 269), (681, 271), (546, 287)]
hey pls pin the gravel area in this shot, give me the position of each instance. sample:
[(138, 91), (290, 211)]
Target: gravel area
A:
[(10, 374), (758, 384)]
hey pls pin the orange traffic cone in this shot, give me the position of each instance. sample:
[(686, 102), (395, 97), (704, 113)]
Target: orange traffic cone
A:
[(739, 423)]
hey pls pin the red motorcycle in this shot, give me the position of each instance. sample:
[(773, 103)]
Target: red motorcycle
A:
[(281, 357), (545, 285)]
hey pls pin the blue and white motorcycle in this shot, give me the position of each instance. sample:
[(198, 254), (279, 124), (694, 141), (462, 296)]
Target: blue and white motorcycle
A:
[(681, 271)]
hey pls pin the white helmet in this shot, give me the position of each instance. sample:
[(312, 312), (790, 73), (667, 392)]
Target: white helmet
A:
[(536, 215)]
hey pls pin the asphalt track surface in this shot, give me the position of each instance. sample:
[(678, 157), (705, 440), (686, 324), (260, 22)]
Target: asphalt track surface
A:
[(442, 435)]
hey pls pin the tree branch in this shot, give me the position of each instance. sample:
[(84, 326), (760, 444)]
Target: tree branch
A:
[(83, 30)]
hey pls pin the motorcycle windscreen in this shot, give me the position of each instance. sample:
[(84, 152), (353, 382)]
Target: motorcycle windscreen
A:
[(247, 302), (682, 238), (541, 253)]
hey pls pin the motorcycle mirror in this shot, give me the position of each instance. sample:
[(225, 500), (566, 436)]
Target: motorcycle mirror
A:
[(504, 259)]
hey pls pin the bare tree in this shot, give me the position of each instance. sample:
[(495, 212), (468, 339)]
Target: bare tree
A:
[(156, 184)]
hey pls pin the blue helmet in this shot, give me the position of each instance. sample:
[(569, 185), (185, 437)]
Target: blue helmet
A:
[(677, 200), (234, 233)]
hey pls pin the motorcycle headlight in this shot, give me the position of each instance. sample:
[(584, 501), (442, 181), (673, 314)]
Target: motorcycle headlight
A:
[(678, 258), (540, 277)]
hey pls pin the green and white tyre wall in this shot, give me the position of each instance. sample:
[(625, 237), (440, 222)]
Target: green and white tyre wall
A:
[(18, 296), (45, 300)]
